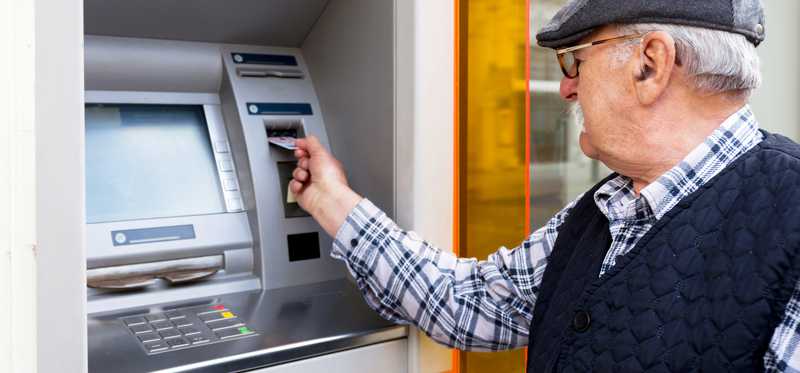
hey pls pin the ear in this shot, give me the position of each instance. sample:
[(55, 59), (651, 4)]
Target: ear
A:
[(654, 68)]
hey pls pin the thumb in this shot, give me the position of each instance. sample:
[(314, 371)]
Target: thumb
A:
[(312, 145)]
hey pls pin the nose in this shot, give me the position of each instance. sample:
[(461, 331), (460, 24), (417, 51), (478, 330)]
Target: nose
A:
[(569, 89)]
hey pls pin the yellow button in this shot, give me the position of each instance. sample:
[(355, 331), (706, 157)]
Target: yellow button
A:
[(228, 315)]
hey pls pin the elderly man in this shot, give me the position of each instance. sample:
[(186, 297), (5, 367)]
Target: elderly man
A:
[(684, 259)]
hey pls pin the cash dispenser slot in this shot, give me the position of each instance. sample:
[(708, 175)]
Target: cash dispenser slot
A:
[(256, 65), (133, 276), (269, 72)]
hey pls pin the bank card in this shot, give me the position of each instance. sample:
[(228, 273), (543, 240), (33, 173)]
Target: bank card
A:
[(283, 142)]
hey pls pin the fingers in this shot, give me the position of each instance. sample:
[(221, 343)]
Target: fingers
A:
[(300, 175), (295, 186), (311, 145), (303, 163), (300, 153)]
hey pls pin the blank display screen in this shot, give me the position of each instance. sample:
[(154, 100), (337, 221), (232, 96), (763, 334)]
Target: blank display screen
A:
[(149, 161)]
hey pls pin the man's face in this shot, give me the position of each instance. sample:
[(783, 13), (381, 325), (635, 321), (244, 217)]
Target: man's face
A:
[(603, 92)]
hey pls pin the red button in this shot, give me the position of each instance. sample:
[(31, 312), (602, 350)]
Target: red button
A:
[(218, 307)]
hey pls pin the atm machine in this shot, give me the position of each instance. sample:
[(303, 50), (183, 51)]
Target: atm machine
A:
[(198, 257)]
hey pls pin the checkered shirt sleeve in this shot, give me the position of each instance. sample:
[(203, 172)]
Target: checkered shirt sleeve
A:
[(783, 354), (468, 304)]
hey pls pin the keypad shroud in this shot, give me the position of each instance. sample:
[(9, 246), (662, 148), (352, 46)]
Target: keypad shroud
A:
[(183, 328)]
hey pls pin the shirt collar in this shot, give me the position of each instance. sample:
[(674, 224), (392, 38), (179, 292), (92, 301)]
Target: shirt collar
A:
[(734, 137)]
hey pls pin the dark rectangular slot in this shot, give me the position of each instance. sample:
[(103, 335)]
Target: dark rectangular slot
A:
[(290, 209), (282, 132), (263, 59), (303, 246)]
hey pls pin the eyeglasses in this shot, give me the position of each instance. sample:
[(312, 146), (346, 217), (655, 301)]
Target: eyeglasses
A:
[(570, 64)]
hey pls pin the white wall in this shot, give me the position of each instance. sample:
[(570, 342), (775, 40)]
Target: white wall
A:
[(60, 216), (777, 103), (42, 256), (17, 193), (424, 102)]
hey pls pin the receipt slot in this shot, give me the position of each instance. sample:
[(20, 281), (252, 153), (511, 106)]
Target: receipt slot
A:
[(198, 256)]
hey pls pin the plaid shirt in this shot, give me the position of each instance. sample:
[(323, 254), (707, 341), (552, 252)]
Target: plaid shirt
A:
[(488, 305)]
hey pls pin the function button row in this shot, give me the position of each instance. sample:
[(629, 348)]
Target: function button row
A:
[(213, 308), (233, 332), (214, 316), (225, 323)]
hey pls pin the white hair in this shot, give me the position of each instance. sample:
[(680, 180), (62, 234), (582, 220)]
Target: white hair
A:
[(716, 61)]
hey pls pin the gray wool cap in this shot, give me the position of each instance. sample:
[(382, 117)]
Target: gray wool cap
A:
[(579, 18)]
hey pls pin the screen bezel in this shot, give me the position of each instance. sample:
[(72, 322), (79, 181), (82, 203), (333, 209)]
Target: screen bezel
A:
[(216, 233), (212, 111)]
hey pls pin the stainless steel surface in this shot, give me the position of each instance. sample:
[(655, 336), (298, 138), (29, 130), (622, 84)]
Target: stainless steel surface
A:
[(292, 323), (225, 166), (259, 22), (134, 275)]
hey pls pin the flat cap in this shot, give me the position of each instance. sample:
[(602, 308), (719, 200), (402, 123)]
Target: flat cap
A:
[(579, 18)]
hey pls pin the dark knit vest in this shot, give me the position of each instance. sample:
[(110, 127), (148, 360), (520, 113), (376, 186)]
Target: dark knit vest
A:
[(703, 290)]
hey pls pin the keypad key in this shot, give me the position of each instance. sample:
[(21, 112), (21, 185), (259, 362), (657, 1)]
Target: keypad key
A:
[(156, 317), (169, 333), (174, 315), (182, 322), (212, 308), (232, 332), (141, 328), (135, 321), (209, 317), (156, 346), (148, 337), (161, 325), (189, 330), (198, 339), (225, 323), (177, 342)]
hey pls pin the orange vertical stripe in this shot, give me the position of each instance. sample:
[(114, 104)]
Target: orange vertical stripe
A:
[(528, 125), (455, 364), (527, 120)]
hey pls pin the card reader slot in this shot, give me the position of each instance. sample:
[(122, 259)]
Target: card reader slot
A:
[(281, 133), (144, 274), (265, 72)]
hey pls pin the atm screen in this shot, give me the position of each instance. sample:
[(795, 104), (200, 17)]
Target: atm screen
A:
[(149, 161)]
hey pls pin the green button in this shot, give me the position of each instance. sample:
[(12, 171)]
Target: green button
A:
[(244, 330)]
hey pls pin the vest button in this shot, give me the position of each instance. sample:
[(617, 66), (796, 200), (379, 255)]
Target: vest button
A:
[(581, 321)]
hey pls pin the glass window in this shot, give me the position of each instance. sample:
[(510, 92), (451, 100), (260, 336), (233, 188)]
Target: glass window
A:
[(559, 170), (149, 161)]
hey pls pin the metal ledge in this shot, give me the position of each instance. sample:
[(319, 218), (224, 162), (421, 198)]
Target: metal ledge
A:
[(292, 324)]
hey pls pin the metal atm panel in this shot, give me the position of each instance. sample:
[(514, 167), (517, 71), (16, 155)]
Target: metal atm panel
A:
[(277, 296)]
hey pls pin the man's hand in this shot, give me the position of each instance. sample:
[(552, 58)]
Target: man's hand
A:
[(320, 185)]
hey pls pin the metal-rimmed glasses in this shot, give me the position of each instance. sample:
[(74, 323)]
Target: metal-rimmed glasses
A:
[(570, 64)]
